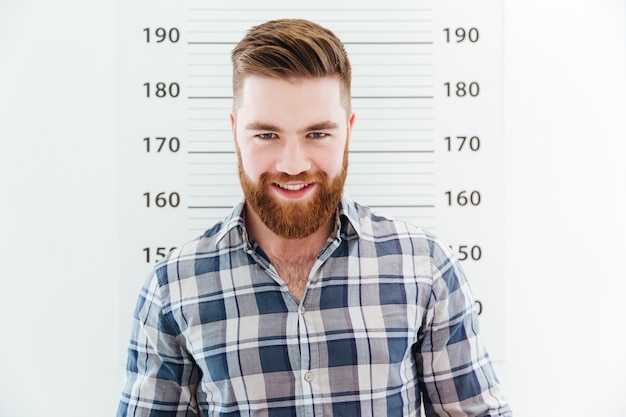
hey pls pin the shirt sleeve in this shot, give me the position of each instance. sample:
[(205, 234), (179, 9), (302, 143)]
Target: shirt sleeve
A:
[(161, 377), (456, 374)]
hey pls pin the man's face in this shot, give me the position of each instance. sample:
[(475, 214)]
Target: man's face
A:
[(292, 145)]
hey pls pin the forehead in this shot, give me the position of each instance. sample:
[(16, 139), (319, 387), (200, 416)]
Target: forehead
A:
[(272, 99)]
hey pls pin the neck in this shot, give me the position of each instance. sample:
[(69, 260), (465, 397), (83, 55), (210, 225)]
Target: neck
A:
[(276, 246)]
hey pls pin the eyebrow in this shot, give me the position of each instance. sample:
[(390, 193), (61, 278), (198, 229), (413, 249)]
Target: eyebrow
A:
[(328, 125)]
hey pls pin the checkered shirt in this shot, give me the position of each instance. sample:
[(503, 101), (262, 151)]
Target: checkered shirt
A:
[(385, 325)]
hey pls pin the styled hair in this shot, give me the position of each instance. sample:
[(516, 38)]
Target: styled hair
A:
[(290, 49)]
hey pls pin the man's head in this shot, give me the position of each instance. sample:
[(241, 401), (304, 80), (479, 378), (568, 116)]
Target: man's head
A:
[(291, 124), (290, 49)]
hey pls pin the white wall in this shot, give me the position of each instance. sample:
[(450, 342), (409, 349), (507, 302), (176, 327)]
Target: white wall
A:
[(565, 103), (58, 211)]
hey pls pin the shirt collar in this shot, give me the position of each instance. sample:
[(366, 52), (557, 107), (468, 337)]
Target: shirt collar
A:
[(348, 224), (349, 221), (235, 220)]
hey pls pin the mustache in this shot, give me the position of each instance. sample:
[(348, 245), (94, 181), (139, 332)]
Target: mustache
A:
[(282, 178)]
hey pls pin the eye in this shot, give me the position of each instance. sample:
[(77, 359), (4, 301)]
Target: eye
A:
[(318, 135), (266, 136)]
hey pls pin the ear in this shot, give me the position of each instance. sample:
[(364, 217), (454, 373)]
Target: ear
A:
[(350, 125), (232, 121), (233, 127)]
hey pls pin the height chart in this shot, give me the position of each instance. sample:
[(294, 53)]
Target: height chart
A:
[(426, 147)]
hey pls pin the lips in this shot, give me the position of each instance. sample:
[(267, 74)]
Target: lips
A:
[(292, 187), (293, 191)]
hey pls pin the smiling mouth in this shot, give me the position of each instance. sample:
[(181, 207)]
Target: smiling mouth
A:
[(292, 187)]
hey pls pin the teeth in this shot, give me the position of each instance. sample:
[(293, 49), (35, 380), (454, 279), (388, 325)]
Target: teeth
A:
[(292, 187)]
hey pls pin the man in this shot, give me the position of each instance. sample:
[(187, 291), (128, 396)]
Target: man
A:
[(302, 302)]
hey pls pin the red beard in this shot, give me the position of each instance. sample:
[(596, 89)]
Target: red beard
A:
[(298, 219)]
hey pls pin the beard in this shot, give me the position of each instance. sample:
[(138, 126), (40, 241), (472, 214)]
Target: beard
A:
[(294, 219)]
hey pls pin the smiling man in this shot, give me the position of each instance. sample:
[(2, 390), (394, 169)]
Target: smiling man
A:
[(292, 140), (302, 302)]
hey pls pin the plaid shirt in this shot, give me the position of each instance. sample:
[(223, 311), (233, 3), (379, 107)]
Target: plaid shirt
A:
[(386, 322)]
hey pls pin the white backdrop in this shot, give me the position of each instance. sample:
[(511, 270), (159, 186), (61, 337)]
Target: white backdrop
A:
[(401, 60), (564, 105)]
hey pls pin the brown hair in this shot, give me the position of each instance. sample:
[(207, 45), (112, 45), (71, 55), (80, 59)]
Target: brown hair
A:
[(290, 49)]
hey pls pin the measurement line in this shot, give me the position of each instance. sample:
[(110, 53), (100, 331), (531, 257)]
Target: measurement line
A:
[(350, 20), (211, 152), (391, 43), (372, 206), (209, 207), (212, 43), (392, 151), (352, 152), (353, 97), (210, 97), (345, 43), (268, 9), (390, 97), (404, 206)]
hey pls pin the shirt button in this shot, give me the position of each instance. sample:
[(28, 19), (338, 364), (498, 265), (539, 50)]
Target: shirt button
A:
[(301, 311), (308, 376)]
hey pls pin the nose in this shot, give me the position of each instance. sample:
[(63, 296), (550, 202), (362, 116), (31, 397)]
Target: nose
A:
[(293, 158)]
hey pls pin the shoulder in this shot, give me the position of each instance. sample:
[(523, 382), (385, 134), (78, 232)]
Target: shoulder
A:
[(201, 255), (395, 235)]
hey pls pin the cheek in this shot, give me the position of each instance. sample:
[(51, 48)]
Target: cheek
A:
[(254, 162), (332, 166), (331, 162)]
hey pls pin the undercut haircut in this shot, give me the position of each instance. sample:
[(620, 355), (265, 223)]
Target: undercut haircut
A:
[(291, 49)]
